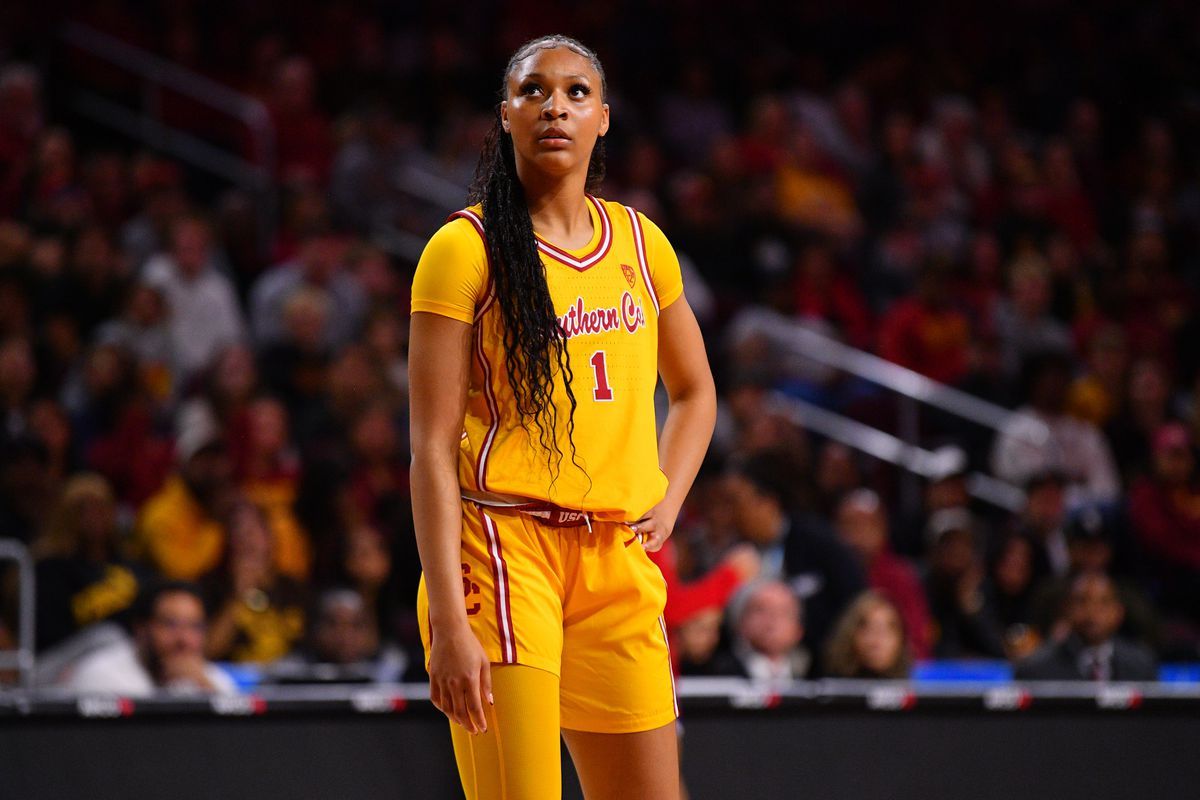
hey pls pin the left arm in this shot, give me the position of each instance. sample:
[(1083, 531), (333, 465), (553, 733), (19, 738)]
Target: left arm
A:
[(683, 365)]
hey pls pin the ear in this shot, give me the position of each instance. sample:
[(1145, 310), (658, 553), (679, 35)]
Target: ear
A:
[(604, 119), (504, 124)]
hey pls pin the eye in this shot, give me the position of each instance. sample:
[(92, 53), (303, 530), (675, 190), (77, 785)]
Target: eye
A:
[(529, 88), (580, 90)]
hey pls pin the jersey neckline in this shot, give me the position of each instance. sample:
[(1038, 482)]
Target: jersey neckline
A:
[(591, 253)]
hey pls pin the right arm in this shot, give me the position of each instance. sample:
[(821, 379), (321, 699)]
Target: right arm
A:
[(439, 369)]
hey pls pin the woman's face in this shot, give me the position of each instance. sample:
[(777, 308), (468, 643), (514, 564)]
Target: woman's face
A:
[(878, 640), (554, 112)]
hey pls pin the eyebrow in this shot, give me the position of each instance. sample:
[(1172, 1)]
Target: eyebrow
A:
[(570, 77)]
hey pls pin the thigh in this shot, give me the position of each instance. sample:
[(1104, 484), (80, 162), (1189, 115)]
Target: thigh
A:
[(628, 766), (616, 667), (518, 757)]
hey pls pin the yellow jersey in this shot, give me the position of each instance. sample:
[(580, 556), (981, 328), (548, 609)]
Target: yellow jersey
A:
[(607, 296)]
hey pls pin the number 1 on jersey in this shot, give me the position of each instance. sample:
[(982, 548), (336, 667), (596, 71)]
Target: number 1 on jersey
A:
[(602, 391)]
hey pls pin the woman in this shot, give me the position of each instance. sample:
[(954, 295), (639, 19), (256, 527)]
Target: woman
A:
[(542, 317), (869, 641), (82, 574), (257, 611)]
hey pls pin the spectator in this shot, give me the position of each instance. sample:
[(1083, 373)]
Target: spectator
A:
[(820, 569), (767, 622), (1010, 586), (1023, 321), (927, 333), (343, 646), (1090, 544), (1093, 650), (82, 574), (18, 372), (319, 266), (1164, 509), (1043, 522), (143, 331), (267, 469), (25, 489), (1095, 396), (204, 311), (179, 529), (966, 624), (305, 153), (1073, 447), (869, 641), (21, 121), (863, 526), (258, 613), (694, 645), (166, 653), (826, 293)]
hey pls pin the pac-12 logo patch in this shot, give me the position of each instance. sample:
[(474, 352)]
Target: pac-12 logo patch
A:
[(630, 275)]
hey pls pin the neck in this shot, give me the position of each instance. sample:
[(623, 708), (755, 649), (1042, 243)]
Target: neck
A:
[(557, 205)]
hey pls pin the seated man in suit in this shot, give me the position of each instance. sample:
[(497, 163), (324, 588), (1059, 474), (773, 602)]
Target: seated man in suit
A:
[(1092, 650), (766, 622)]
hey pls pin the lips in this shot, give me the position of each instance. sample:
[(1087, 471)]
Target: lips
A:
[(554, 133)]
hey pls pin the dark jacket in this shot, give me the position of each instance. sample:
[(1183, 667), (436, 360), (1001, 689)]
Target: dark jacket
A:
[(825, 575), (1059, 661)]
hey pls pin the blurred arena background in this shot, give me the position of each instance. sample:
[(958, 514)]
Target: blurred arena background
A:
[(946, 258)]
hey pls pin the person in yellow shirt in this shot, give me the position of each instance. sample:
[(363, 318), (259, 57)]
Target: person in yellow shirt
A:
[(179, 529), (542, 317)]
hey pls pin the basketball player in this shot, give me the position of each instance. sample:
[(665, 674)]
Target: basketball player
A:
[(542, 318)]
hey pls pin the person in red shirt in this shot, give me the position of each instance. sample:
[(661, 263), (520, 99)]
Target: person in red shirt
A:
[(863, 526), (925, 332), (826, 293), (1165, 511)]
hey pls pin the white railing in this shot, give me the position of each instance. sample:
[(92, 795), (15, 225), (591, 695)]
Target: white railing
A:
[(146, 125), (911, 387)]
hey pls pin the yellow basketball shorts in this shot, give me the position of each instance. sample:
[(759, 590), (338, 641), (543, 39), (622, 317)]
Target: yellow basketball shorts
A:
[(585, 605)]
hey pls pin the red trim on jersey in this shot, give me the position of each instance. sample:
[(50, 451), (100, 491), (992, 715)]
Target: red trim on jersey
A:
[(674, 696), (493, 408), (592, 258), (484, 365), (504, 623), (640, 244)]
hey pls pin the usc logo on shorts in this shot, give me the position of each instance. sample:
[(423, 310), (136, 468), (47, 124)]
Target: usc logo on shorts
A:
[(470, 587)]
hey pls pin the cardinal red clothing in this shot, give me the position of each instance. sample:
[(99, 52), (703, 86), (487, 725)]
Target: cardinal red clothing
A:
[(932, 341), (897, 579), (712, 590), (839, 303), (1167, 521)]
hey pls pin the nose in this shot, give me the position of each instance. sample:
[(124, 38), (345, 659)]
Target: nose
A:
[(554, 107)]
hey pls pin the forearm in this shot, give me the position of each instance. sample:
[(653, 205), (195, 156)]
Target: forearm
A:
[(437, 519), (685, 438)]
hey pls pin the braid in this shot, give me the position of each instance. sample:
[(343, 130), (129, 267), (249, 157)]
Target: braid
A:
[(534, 345)]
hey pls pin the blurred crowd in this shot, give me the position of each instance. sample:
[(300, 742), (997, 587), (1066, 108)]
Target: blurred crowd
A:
[(203, 432)]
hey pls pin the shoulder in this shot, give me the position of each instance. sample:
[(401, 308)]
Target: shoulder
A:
[(462, 232), (1136, 654), (642, 223)]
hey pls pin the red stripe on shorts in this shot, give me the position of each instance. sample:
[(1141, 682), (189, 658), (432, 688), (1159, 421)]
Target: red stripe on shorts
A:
[(504, 623), (674, 697)]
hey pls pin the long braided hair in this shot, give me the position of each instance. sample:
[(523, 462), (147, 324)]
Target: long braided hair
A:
[(534, 344)]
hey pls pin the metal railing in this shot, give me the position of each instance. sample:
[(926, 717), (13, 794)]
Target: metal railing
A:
[(912, 388), (146, 125), (21, 659)]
